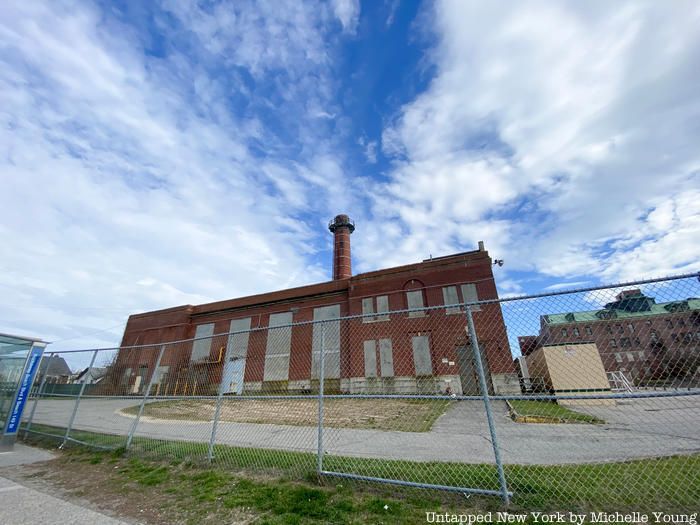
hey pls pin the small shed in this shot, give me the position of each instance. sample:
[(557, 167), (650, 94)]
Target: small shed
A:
[(571, 369)]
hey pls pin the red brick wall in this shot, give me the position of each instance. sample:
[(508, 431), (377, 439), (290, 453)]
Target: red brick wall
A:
[(473, 267), (640, 340)]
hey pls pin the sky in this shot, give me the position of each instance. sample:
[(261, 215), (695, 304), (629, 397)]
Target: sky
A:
[(154, 154)]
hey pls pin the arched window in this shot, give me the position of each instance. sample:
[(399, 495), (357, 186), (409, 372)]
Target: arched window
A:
[(415, 298)]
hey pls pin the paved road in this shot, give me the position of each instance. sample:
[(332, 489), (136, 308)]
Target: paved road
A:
[(633, 429)]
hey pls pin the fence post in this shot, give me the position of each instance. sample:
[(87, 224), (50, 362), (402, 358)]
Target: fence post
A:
[(77, 401), (215, 424), (42, 385), (487, 405), (321, 372), (145, 396), (219, 399)]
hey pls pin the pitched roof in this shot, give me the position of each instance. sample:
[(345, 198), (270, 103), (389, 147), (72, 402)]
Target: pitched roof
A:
[(96, 372), (56, 365), (692, 303)]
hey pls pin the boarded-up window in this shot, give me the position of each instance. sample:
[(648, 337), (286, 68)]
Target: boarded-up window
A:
[(327, 332), (279, 341), (160, 374), (382, 307), (201, 348), (370, 358), (237, 347), (414, 298), (449, 297), (469, 295), (379, 304), (126, 377), (368, 308), (421, 355), (386, 358)]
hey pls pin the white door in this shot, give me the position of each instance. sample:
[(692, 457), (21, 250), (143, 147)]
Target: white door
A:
[(234, 370)]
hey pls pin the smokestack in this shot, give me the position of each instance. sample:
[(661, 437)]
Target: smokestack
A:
[(341, 227)]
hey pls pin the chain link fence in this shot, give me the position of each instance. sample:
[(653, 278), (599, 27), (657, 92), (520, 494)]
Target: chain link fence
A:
[(581, 399)]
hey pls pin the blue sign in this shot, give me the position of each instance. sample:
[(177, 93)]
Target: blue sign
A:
[(15, 415)]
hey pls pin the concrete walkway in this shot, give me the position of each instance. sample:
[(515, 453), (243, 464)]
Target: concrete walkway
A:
[(633, 429), (24, 455), (23, 505)]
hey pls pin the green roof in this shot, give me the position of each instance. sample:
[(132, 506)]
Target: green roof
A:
[(598, 315)]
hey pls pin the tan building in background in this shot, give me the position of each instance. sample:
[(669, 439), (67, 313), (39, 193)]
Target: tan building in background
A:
[(570, 369), (646, 342)]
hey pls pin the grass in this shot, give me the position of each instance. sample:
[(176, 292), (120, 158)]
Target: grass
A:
[(185, 493), (405, 415), (671, 483), (548, 412)]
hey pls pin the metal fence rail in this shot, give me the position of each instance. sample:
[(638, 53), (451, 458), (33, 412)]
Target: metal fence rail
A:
[(588, 396)]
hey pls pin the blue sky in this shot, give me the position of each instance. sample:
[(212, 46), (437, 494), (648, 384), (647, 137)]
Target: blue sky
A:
[(162, 153)]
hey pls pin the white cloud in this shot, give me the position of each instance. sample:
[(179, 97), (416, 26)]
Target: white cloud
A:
[(259, 36), (129, 183), (509, 288), (561, 134), (392, 12), (565, 286), (369, 149), (666, 241), (348, 12)]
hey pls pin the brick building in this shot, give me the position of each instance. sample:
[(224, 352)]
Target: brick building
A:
[(277, 344), (635, 335)]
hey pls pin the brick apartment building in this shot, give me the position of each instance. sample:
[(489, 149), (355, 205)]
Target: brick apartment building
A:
[(417, 351), (635, 335)]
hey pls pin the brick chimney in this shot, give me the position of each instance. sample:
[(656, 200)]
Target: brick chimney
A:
[(341, 227)]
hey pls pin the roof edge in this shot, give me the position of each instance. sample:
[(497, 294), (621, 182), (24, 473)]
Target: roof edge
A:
[(162, 311), (287, 294), (426, 263)]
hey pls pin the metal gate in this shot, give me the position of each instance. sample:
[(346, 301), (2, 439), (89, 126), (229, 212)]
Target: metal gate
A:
[(336, 465)]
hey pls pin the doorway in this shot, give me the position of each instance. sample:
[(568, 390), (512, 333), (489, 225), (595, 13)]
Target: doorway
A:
[(233, 375), (467, 371)]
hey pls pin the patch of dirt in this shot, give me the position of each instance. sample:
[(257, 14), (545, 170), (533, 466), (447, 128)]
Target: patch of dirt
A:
[(382, 414)]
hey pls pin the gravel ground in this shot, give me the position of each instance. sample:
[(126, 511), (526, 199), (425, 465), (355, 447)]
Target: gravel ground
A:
[(405, 415)]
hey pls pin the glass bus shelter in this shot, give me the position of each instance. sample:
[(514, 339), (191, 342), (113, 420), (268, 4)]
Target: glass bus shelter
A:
[(19, 362)]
